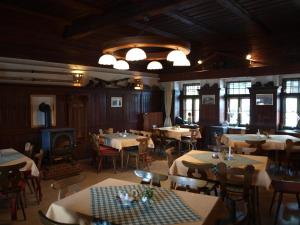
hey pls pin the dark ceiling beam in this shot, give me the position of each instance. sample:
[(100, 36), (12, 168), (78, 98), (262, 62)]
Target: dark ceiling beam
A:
[(189, 21), (241, 12), (92, 23), (153, 30), (227, 73)]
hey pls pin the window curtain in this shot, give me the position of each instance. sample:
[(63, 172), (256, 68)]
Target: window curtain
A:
[(168, 87)]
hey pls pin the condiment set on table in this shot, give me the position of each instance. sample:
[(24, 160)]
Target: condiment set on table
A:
[(126, 199)]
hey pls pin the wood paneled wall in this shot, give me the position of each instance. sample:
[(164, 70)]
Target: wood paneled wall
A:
[(15, 111)]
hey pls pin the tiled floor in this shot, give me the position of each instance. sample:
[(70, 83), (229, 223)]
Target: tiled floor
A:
[(160, 166)]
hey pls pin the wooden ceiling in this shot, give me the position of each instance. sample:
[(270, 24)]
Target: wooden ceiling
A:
[(221, 32)]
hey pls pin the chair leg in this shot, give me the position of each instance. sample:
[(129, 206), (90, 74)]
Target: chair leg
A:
[(13, 208), (127, 161), (257, 206), (137, 162), (22, 207), (114, 163), (99, 164), (278, 208), (298, 200), (272, 202)]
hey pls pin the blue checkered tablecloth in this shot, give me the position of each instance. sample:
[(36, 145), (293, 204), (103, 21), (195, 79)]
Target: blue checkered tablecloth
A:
[(167, 207)]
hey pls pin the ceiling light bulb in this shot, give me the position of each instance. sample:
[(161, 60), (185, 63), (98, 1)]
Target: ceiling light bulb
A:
[(175, 55), (135, 54), (154, 65), (200, 62), (248, 56), (107, 59), (182, 62), (121, 65)]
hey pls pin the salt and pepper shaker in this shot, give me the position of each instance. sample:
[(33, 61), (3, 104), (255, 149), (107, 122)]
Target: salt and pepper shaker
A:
[(229, 152)]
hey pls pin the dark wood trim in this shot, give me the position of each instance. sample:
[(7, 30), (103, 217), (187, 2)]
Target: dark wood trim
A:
[(224, 73)]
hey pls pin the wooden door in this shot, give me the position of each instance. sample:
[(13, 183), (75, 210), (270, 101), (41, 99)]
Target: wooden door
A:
[(77, 106)]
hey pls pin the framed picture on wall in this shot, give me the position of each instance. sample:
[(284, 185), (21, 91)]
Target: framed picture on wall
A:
[(38, 103), (264, 99), (116, 102), (208, 99)]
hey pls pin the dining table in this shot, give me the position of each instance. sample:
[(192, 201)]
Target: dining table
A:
[(273, 141), (11, 156), (177, 132), (121, 141), (100, 202), (261, 177)]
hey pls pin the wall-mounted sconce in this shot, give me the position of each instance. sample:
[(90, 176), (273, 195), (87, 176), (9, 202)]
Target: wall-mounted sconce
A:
[(138, 84), (77, 79)]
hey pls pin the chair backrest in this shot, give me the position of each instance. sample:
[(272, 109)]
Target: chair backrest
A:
[(286, 186), (10, 176), (171, 155), (235, 176), (186, 184), (28, 149), (143, 145), (218, 139), (198, 168), (292, 147), (195, 133), (94, 141), (150, 177), (109, 130), (46, 221), (67, 185), (39, 158), (146, 134)]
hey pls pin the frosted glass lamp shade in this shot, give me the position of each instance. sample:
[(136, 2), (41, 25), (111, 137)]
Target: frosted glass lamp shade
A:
[(154, 65), (107, 59), (175, 55), (135, 54), (121, 65), (182, 62)]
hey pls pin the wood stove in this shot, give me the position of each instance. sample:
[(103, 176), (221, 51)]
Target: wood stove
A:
[(58, 144)]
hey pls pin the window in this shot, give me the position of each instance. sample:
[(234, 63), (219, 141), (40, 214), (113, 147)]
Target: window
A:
[(291, 102), (238, 103), (191, 101)]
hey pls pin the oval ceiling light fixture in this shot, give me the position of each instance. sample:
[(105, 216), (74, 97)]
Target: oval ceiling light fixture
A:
[(175, 55), (154, 65), (135, 54), (182, 62), (107, 59), (200, 62), (121, 65)]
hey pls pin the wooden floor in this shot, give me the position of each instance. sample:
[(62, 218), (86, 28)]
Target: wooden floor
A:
[(288, 208)]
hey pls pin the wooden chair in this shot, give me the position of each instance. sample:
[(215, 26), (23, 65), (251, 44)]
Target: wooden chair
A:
[(186, 184), (146, 134), (172, 154), (219, 146), (34, 183), (12, 185), (166, 142), (150, 177), (191, 140), (202, 169), (46, 221), (109, 131), (67, 185), (255, 147), (292, 155), (236, 186), (284, 186), (101, 151), (140, 154)]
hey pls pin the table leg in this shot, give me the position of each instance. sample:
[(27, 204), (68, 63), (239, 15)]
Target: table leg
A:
[(122, 159)]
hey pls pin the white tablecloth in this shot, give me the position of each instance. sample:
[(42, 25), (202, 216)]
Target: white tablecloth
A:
[(275, 142), (261, 177), (76, 208), (30, 164), (177, 133), (118, 142)]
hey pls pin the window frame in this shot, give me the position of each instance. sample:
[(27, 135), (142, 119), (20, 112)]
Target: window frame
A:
[(239, 97), (285, 95), (184, 97)]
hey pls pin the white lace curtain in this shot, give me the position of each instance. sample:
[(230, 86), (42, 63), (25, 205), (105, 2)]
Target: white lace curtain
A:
[(168, 88)]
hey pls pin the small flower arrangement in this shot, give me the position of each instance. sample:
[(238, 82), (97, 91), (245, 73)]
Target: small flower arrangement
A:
[(147, 195)]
